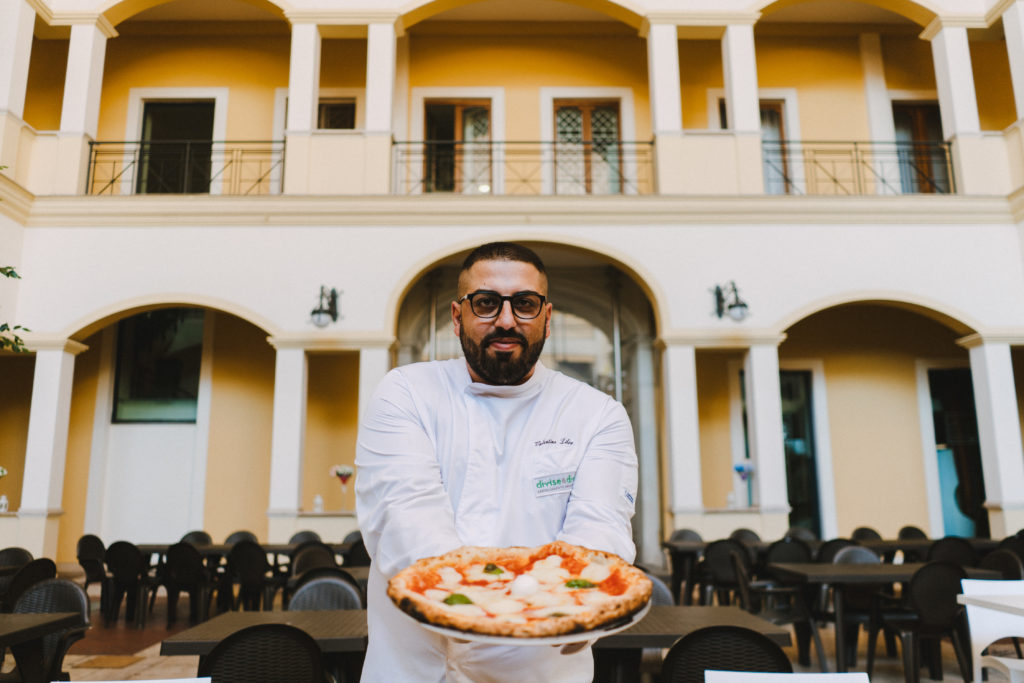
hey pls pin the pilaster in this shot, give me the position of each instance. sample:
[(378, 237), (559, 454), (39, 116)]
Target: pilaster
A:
[(955, 81), (764, 427), (683, 426), (739, 69), (288, 434)]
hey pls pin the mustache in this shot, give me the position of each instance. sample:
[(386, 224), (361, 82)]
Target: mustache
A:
[(504, 335)]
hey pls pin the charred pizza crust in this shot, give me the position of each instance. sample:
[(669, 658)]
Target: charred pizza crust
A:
[(561, 605)]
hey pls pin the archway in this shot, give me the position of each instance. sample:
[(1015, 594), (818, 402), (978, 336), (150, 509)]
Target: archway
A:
[(921, 13), (603, 334)]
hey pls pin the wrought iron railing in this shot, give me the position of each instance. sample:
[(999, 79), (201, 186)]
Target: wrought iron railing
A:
[(524, 168), (185, 167), (857, 168)]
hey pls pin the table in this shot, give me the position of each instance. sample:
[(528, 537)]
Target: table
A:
[(920, 546), (23, 633), (841, 575), (1011, 604)]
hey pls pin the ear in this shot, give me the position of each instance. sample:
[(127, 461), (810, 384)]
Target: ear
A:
[(547, 321), (457, 318)]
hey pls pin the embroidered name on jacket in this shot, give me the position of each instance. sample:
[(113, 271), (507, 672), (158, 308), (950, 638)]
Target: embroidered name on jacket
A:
[(553, 483)]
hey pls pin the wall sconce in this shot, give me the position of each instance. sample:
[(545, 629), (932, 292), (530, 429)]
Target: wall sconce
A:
[(728, 302), (327, 311)]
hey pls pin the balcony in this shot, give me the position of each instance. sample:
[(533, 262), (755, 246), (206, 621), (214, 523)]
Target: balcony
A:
[(857, 168), (185, 167), (611, 167)]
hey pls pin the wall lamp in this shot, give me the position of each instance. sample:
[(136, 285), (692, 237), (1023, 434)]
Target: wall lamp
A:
[(327, 311), (728, 302)]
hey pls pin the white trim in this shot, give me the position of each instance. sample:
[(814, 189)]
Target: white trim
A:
[(137, 98), (104, 407), (929, 458), (197, 492), (627, 128), (417, 126)]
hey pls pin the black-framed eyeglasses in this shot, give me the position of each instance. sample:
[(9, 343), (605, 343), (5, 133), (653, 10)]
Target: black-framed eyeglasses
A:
[(487, 304)]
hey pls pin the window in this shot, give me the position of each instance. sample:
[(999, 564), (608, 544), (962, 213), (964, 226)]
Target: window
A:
[(457, 145), (587, 155), (923, 162), (336, 114), (158, 359), (176, 148)]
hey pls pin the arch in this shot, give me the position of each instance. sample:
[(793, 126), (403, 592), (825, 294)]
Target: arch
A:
[(624, 11), (956, 320), (97, 320), (455, 252), (117, 11), (919, 11)]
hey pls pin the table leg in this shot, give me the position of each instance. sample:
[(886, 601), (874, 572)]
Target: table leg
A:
[(837, 608), (29, 658), (616, 665)]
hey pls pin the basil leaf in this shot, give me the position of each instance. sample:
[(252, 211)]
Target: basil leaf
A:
[(558, 614), (579, 583), (492, 568), (457, 599)]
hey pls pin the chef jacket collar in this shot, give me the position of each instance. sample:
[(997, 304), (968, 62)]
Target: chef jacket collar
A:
[(530, 386)]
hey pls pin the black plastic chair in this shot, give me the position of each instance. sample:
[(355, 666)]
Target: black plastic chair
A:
[(743, 535), (184, 571), (321, 572), (257, 583), (788, 549), (953, 549), (860, 602), (1015, 544), (304, 536), (685, 535), (32, 573), (90, 551), (911, 532), (827, 551), (357, 556), (51, 596), (242, 535), (310, 555), (1005, 562), (865, 533), (933, 614), (268, 653), (327, 593), (780, 605), (14, 556), (129, 572), (722, 648), (197, 538), (715, 574), (801, 533)]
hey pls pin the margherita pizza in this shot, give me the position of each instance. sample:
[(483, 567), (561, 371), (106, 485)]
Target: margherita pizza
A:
[(551, 590)]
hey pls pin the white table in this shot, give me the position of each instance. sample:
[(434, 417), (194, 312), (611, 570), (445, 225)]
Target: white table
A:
[(1011, 604)]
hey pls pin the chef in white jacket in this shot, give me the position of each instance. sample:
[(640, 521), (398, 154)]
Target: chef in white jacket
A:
[(491, 450)]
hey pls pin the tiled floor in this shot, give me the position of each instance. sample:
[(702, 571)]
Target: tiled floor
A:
[(145, 645)]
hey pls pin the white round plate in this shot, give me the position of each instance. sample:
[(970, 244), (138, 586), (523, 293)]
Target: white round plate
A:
[(544, 640)]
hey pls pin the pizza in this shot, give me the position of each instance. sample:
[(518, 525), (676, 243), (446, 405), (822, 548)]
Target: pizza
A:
[(550, 590)]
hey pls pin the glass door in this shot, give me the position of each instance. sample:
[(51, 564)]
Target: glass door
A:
[(798, 440), (176, 149)]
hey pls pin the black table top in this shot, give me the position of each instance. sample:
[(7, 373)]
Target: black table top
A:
[(224, 548), (17, 628), (333, 630), (811, 572), (664, 625)]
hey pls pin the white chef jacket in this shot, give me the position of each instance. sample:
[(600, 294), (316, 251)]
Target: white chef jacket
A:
[(443, 462)]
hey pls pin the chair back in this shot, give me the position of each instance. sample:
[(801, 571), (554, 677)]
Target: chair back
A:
[(126, 562), (762, 677), (953, 549), (827, 550), (51, 596), (303, 536), (987, 625), (32, 573), (722, 648), (933, 590), (357, 555), (717, 563), (353, 536), (243, 535), (248, 563), (802, 533), (269, 653), (184, 565), (911, 532), (1014, 544), (685, 535), (320, 572), (90, 551), (743, 595), (310, 555), (197, 538), (856, 554), (661, 594), (14, 556), (327, 593), (788, 549), (865, 533), (1004, 562), (747, 536)]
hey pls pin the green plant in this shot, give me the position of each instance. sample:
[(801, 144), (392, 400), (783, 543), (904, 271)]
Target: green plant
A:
[(9, 338)]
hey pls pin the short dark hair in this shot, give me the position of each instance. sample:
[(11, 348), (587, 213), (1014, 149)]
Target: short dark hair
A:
[(502, 251)]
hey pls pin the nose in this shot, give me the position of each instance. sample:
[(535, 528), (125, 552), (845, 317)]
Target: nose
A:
[(505, 319)]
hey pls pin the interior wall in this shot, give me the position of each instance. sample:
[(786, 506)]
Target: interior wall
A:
[(45, 94), (76, 463), (343, 63), (908, 63), (17, 371), (870, 356), (331, 425), (713, 410), (990, 64), (700, 69), (241, 414)]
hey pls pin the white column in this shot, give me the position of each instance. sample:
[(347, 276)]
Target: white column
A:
[(288, 437), (995, 399), (739, 69), (17, 20), (680, 370), (1013, 30), (304, 78), (374, 363), (83, 82), (876, 93), (955, 82), (764, 427), (663, 79), (380, 76)]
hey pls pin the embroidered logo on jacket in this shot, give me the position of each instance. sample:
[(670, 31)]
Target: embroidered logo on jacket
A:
[(553, 483)]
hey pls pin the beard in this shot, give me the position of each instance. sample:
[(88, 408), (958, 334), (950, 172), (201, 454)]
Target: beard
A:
[(502, 367)]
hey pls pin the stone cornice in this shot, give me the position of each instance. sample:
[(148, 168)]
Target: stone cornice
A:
[(88, 18), (15, 201), (717, 19), (332, 341), (341, 18), (952, 21), (1011, 337), (720, 339), (641, 211), (44, 342)]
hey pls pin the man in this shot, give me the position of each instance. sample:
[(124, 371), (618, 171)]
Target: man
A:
[(450, 453)]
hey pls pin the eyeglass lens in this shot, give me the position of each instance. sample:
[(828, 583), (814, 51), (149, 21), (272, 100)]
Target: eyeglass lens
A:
[(488, 304)]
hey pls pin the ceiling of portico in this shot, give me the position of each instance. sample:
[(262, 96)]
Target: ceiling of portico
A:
[(832, 11)]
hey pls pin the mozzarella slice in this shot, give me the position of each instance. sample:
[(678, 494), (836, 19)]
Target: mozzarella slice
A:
[(597, 571), (477, 573), (469, 610), (436, 594), (450, 578), (524, 586)]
